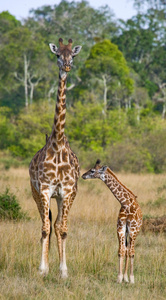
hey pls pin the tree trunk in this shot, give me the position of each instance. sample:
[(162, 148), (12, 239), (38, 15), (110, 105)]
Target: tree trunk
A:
[(26, 79), (105, 93), (32, 86), (138, 112), (164, 110), (31, 92)]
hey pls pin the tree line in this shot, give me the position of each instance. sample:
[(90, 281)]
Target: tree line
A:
[(119, 75)]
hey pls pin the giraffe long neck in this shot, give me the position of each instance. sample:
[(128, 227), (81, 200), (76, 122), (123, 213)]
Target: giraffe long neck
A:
[(121, 193), (60, 111)]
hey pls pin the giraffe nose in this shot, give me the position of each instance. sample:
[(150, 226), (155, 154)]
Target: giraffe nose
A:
[(84, 176), (67, 67)]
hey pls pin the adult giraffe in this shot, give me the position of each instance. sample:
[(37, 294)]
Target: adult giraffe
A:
[(54, 170)]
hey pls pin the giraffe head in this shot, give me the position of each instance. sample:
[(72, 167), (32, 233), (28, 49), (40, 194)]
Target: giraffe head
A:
[(65, 54), (97, 172)]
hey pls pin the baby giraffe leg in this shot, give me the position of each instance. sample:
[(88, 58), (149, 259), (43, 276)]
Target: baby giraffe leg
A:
[(120, 274), (122, 250), (131, 254), (126, 266), (131, 269)]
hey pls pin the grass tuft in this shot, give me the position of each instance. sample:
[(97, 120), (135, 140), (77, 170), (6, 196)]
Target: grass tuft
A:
[(10, 208)]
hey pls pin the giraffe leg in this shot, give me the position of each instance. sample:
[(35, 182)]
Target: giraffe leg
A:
[(131, 254), (61, 231), (126, 266), (131, 269), (66, 207), (43, 207), (61, 239), (121, 252), (44, 265), (127, 257)]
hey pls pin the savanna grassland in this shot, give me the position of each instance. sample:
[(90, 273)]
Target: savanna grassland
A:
[(91, 245)]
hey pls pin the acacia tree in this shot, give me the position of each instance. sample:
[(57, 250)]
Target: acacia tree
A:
[(108, 64)]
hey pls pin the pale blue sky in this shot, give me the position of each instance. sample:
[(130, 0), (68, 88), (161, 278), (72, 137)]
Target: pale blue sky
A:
[(19, 8)]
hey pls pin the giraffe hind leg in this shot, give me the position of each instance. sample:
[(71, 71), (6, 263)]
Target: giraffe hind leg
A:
[(131, 254), (125, 277)]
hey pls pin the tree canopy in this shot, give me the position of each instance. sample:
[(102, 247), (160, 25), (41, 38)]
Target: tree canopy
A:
[(116, 91)]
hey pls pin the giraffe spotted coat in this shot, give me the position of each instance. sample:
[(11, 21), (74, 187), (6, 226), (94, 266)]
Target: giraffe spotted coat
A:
[(129, 220), (54, 170)]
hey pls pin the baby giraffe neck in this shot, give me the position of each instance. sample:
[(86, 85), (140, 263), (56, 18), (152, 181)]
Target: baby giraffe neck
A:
[(121, 193)]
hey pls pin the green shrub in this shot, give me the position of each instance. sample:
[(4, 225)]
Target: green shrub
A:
[(10, 208)]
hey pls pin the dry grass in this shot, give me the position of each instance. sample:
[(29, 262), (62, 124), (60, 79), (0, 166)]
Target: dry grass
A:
[(91, 245)]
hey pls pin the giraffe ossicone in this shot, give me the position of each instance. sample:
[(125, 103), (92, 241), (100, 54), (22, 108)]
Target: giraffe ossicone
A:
[(54, 170), (129, 220)]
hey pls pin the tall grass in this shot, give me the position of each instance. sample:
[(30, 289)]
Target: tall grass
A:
[(91, 245)]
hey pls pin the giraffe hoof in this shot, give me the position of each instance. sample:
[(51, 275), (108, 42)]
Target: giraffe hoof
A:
[(126, 278), (131, 278), (120, 278), (63, 274), (43, 272)]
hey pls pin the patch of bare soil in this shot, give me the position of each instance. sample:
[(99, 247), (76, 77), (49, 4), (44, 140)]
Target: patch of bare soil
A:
[(157, 224)]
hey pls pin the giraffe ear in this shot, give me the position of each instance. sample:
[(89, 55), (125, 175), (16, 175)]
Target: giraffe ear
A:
[(104, 168), (76, 50), (53, 48)]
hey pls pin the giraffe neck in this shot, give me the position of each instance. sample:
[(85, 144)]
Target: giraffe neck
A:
[(120, 191), (60, 111)]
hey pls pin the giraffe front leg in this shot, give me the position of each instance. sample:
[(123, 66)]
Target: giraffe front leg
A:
[(121, 253), (42, 202), (61, 237), (44, 264), (67, 203)]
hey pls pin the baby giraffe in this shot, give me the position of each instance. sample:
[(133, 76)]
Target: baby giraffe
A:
[(129, 219)]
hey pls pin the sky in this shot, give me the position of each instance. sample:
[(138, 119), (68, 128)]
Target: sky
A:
[(123, 9)]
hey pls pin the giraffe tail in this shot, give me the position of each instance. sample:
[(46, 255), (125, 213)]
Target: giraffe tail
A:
[(50, 218)]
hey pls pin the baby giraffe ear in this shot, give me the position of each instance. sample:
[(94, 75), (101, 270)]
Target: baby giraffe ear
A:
[(53, 48), (104, 168), (76, 50)]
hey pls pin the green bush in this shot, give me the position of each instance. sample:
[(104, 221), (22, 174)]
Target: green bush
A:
[(10, 208)]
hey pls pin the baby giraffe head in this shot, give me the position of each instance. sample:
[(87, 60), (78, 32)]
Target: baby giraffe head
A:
[(97, 172), (65, 54)]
